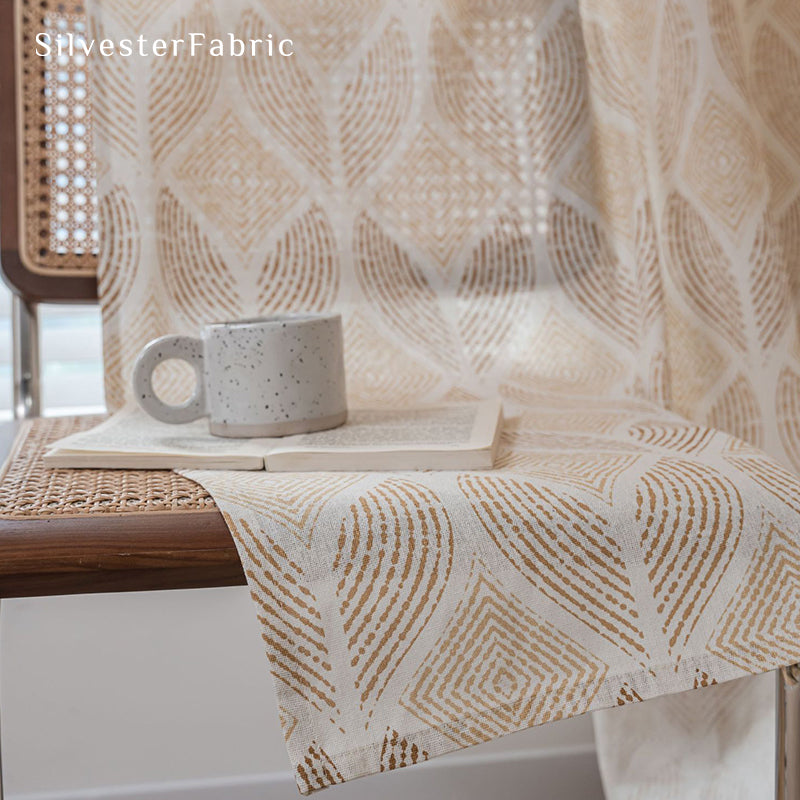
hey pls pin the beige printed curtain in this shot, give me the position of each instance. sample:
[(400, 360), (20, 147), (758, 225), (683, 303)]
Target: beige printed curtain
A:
[(591, 208)]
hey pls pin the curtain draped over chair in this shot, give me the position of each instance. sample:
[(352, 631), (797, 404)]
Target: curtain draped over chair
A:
[(592, 208)]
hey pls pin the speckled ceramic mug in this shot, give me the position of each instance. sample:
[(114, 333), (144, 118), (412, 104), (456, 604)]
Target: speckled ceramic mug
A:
[(270, 376)]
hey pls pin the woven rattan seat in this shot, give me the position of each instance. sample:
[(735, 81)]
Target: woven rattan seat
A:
[(67, 531), (29, 489)]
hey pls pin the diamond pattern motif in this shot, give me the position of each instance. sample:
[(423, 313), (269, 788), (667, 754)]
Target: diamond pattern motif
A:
[(723, 177), (759, 626), (238, 182), (499, 667), (436, 195)]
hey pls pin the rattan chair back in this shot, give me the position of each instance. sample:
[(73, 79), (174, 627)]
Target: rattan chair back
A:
[(48, 203)]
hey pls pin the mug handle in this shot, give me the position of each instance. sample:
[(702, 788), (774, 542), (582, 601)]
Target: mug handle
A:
[(187, 349)]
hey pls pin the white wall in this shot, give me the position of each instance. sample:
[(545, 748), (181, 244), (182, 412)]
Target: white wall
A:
[(115, 691)]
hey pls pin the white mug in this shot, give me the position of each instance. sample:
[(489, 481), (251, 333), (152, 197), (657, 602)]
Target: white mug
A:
[(270, 376)]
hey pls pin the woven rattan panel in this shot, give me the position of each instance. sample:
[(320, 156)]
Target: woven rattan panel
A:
[(29, 489), (59, 202)]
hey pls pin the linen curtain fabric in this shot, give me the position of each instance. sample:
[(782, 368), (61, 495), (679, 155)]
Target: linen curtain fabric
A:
[(592, 208)]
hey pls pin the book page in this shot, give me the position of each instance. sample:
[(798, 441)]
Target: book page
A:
[(425, 428), (132, 431), (443, 434)]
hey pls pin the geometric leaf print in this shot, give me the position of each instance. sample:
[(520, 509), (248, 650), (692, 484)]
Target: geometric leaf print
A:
[(301, 273), (121, 248), (607, 62), (554, 94), (499, 667), (237, 182), (696, 363), (114, 99), (627, 695), (288, 722), (380, 371), (787, 409), (375, 104), (565, 548), (677, 76), (702, 271), (290, 501), (397, 752), (527, 435), (115, 387), (759, 627), (494, 291), (480, 25), (703, 679), (434, 193), (577, 415), (776, 66), (786, 15), (183, 86), (316, 770), (789, 233), (590, 274), (400, 290), (572, 203), (673, 435), (581, 415), (286, 100), (648, 267), (726, 27), (198, 281), (737, 412), (719, 163), (781, 180), (470, 100), (617, 177), (172, 383), (560, 357), (591, 472), (134, 15), (291, 624), (394, 556), (324, 31), (770, 475), (691, 517), (769, 287), (627, 31)]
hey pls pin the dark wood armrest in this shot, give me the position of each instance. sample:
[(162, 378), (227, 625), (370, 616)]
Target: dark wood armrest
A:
[(89, 551)]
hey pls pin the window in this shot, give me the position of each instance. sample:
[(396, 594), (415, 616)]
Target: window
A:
[(71, 356)]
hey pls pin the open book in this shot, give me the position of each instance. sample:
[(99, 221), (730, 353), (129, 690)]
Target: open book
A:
[(462, 436)]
